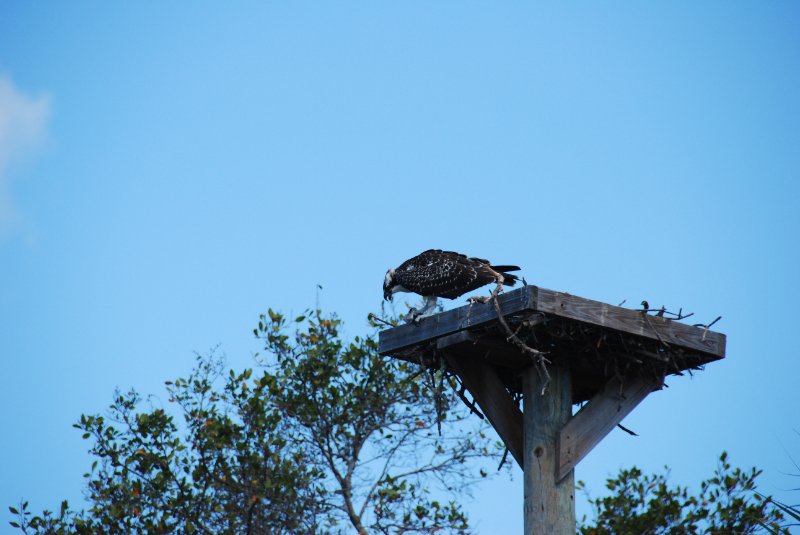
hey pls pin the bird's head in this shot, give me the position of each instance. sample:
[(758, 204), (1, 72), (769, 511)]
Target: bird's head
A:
[(388, 285)]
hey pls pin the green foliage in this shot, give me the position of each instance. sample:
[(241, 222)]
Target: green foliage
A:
[(326, 434), (370, 425), (727, 503), (230, 470)]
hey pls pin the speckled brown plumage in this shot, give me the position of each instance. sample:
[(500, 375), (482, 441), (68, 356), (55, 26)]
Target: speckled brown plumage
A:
[(447, 274)]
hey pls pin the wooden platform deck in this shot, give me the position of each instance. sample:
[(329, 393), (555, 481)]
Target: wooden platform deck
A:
[(595, 341)]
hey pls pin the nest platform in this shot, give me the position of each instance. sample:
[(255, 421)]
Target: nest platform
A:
[(596, 341)]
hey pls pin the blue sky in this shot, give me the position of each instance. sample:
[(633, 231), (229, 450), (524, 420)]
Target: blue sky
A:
[(169, 172)]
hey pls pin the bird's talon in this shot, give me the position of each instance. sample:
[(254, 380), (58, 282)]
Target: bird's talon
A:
[(412, 316)]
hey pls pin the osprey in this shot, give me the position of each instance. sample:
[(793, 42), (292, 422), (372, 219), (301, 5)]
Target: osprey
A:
[(436, 273)]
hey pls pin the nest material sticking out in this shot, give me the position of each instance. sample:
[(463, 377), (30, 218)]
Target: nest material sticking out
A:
[(593, 354)]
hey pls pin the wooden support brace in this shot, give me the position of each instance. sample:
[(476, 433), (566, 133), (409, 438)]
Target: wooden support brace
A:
[(598, 418), (482, 381)]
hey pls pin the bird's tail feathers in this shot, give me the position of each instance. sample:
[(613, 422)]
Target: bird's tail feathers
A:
[(508, 279), (503, 269)]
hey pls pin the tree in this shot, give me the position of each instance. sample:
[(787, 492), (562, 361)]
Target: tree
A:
[(727, 503), (326, 434)]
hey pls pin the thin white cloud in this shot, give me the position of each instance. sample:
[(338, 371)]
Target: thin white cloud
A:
[(23, 122)]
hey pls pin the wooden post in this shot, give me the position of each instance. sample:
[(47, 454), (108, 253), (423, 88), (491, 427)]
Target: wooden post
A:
[(549, 505)]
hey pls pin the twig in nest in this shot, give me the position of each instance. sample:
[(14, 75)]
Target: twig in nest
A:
[(660, 312), (439, 396), (655, 331), (492, 297), (521, 325), (627, 430), (707, 327), (539, 358), (373, 317), (503, 460), (436, 389), (666, 346), (460, 390)]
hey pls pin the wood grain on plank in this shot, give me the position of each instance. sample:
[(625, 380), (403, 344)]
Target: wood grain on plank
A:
[(432, 327), (630, 321), (532, 298)]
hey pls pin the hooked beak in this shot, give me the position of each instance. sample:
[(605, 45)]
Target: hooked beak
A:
[(387, 296)]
